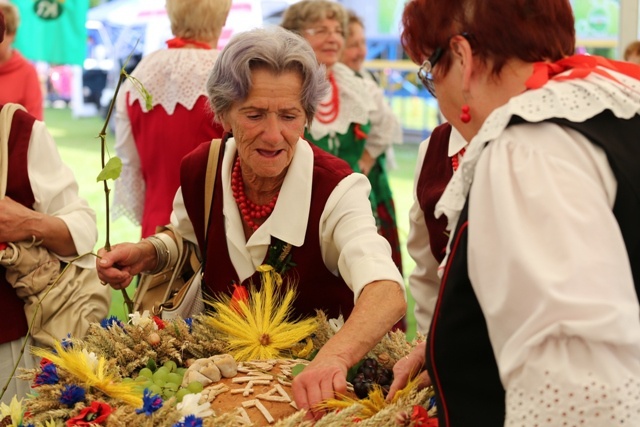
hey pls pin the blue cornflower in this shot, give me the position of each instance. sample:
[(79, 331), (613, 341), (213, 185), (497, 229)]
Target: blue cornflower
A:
[(49, 375), (72, 394), (189, 421), (189, 322), (110, 321), (150, 403), (66, 342)]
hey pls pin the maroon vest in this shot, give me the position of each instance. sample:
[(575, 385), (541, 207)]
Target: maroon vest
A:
[(19, 189), (317, 287), (435, 175)]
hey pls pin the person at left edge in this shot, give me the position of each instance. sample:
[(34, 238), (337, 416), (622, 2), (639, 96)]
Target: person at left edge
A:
[(273, 187), (19, 83)]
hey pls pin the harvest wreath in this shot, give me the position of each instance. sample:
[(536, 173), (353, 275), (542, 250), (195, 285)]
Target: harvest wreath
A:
[(232, 366)]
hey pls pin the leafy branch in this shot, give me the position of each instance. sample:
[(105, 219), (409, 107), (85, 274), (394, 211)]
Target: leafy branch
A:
[(112, 168)]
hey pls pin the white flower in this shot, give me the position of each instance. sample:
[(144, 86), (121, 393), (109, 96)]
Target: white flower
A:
[(190, 405), (143, 319), (92, 359), (13, 410), (336, 324)]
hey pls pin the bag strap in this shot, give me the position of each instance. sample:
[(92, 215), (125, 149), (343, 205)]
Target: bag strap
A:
[(210, 179), (6, 116)]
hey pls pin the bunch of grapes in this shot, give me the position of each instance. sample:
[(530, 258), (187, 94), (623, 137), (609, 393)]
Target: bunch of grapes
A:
[(370, 373), (165, 381)]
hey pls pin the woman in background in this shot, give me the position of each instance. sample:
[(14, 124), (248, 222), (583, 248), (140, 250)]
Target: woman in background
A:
[(349, 122), (19, 83), (152, 141)]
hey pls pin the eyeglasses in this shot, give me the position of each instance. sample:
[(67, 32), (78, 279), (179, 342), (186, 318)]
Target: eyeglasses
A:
[(323, 32), (424, 72)]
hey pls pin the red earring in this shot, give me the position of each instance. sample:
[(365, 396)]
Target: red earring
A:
[(465, 116)]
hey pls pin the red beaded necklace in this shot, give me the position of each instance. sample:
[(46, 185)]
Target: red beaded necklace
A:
[(328, 111), (250, 211), (454, 159)]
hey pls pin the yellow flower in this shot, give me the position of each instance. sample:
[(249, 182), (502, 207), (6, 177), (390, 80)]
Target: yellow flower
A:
[(260, 328), (90, 370), (13, 410)]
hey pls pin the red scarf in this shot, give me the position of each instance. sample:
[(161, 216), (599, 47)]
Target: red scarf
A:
[(581, 66), (179, 42)]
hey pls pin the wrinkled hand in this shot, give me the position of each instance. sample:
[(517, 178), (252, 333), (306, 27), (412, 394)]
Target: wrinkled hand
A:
[(366, 162), (408, 368), (15, 221), (118, 266), (322, 379)]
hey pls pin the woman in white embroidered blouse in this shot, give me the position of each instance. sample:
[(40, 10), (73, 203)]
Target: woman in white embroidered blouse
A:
[(551, 264), (151, 141)]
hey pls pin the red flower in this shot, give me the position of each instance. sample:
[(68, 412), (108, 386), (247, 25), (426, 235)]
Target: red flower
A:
[(44, 362), (159, 322), (420, 417), (97, 413), (240, 294)]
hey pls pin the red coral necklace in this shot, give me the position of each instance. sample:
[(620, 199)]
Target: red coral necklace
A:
[(454, 159), (250, 211), (328, 111)]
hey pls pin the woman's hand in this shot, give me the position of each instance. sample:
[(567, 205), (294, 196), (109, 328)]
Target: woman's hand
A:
[(366, 162), (118, 266), (324, 378), (409, 367)]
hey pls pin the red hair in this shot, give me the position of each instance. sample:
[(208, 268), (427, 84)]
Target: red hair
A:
[(529, 30)]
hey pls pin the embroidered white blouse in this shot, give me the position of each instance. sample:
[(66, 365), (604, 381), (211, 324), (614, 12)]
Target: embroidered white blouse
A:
[(547, 260), (350, 243)]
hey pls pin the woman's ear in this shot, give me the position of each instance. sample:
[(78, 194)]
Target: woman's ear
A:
[(226, 125), (462, 52)]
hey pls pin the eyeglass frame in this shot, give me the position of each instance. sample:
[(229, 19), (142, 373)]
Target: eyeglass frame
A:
[(424, 72), (313, 32)]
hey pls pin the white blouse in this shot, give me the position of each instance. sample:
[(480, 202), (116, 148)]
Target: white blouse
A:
[(547, 260), (350, 243), (56, 193)]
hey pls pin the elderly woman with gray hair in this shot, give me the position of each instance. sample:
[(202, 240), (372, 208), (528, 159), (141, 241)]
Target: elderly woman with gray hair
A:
[(274, 190)]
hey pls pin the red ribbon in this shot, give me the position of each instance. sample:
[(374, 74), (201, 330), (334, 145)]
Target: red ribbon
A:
[(178, 42), (581, 66)]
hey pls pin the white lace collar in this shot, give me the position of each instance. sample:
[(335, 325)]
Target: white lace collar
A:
[(576, 100), (173, 76), (355, 104)]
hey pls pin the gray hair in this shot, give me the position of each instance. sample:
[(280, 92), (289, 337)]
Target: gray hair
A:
[(273, 49)]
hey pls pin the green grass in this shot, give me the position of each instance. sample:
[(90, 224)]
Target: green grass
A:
[(79, 146)]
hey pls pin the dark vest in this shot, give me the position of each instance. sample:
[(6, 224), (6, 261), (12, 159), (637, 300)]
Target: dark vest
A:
[(435, 175), (317, 287), (19, 189), (460, 358)]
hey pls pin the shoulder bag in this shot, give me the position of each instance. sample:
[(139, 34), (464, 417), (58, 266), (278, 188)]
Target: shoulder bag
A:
[(177, 291)]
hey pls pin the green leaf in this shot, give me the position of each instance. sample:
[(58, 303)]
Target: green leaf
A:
[(111, 170), (151, 364), (297, 369), (351, 373)]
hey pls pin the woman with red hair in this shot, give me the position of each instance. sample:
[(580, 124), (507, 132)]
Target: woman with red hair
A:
[(537, 318)]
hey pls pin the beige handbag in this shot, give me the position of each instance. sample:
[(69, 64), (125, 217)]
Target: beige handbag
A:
[(177, 291), (55, 305)]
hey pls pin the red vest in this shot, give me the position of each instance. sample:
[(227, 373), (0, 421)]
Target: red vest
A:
[(19, 189), (435, 175), (162, 140), (317, 287)]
